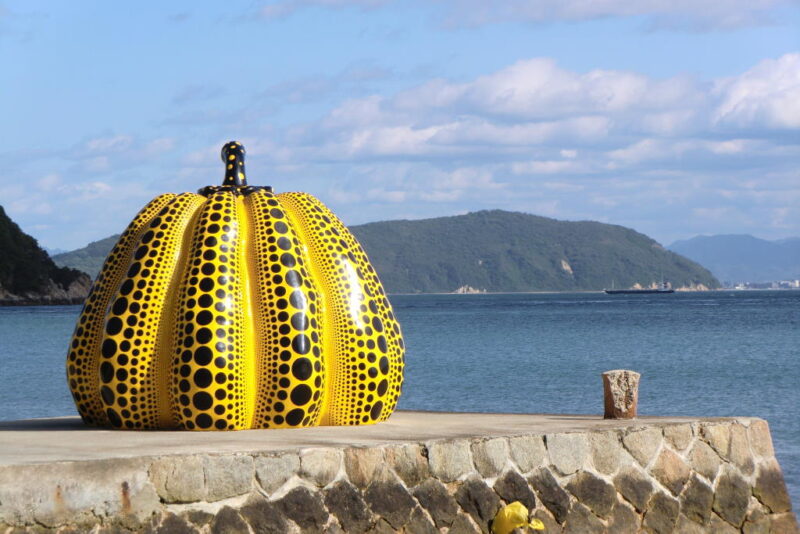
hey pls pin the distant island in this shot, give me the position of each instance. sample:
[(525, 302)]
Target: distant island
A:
[(735, 259), (27, 274), (497, 251)]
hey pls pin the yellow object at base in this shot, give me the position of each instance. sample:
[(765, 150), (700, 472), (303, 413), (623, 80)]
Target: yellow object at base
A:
[(515, 515)]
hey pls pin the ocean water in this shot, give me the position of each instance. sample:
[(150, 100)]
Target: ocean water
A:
[(702, 354)]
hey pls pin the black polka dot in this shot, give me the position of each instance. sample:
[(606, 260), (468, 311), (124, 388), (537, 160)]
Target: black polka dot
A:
[(294, 417), (301, 344), (107, 394), (294, 279), (375, 413), (202, 400), (204, 420), (203, 378), (382, 344), (288, 260), (114, 418), (301, 369), (114, 326), (382, 387), (297, 299), (203, 355), (281, 227), (204, 317), (204, 335), (384, 365), (134, 269), (106, 372), (109, 348), (126, 287), (301, 395), (284, 243), (300, 321)]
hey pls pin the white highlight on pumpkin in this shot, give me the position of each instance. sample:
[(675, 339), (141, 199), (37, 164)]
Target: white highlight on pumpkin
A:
[(356, 295)]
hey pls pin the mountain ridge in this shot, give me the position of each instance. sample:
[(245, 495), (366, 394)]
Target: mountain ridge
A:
[(742, 257), (497, 250)]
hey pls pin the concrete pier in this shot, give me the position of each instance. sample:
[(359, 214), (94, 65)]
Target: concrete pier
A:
[(419, 472)]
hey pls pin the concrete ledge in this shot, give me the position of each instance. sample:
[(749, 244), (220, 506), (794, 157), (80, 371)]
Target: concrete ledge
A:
[(419, 472)]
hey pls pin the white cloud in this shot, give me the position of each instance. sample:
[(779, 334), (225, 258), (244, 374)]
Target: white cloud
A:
[(537, 106), (766, 96), (538, 88)]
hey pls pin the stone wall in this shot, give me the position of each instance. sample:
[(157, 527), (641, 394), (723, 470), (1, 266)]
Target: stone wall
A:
[(716, 476)]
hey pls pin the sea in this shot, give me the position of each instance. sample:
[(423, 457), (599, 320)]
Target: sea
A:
[(720, 353)]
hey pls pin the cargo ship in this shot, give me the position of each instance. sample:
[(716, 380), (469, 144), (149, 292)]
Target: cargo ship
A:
[(663, 288)]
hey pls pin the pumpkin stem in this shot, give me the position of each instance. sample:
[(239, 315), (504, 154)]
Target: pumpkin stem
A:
[(233, 157)]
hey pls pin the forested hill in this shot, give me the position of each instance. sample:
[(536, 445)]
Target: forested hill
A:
[(90, 258), (506, 251), (497, 251), (29, 276)]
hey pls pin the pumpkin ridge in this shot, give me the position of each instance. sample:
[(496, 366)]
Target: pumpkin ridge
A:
[(129, 368), (330, 330), (129, 364), (249, 323), (207, 375), (83, 359), (367, 350), (165, 341), (290, 371)]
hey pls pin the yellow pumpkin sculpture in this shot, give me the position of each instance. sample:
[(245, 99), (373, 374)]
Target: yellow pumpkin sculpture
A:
[(235, 308)]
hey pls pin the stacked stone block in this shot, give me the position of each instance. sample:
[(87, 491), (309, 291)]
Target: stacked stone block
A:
[(702, 477)]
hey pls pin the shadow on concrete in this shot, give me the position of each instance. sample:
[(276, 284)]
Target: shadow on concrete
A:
[(49, 424)]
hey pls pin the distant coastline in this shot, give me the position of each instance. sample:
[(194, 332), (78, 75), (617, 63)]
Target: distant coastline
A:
[(79, 301)]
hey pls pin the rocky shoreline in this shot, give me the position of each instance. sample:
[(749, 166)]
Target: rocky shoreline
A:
[(54, 295)]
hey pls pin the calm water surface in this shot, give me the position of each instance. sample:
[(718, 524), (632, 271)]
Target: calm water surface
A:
[(703, 354)]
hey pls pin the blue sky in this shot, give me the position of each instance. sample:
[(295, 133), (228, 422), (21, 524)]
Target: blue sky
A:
[(675, 118)]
